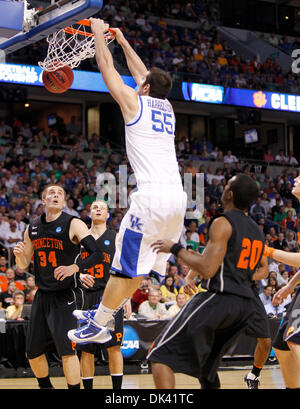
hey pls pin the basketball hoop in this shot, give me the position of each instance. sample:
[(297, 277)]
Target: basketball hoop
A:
[(70, 45)]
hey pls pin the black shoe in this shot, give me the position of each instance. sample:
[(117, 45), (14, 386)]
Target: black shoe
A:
[(252, 381)]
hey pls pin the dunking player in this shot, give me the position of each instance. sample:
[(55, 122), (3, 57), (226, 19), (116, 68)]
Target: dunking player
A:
[(287, 342), (157, 209), (94, 284), (53, 240), (199, 335)]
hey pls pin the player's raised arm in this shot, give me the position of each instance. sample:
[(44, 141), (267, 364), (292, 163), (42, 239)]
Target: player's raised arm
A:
[(125, 96), (207, 263), (292, 259), (135, 65), (23, 251)]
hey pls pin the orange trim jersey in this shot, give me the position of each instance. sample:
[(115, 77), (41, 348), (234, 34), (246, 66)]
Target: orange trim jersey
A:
[(53, 248), (106, 245), (244, 252)]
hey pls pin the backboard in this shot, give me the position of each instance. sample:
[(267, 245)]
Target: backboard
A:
[(27, 21)]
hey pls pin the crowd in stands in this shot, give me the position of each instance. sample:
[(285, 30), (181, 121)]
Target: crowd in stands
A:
[(23, 176), (196, 53)]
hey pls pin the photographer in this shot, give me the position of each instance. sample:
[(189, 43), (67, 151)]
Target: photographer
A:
[(140, 295)]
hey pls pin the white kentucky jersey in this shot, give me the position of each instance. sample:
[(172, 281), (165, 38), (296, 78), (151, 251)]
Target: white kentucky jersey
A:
[(150, 143)]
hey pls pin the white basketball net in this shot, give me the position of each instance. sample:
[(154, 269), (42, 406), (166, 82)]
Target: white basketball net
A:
[(70, 46)]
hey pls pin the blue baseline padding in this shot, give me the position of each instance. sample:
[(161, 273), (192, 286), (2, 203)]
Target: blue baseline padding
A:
[(130, 252)]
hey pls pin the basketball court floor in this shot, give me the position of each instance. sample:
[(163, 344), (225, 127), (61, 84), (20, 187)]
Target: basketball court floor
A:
[(231, 378)]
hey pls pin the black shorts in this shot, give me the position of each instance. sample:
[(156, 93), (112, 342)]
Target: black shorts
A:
[(258, 325), (195, 340), (289, 329), (91, 301), (51, 319)]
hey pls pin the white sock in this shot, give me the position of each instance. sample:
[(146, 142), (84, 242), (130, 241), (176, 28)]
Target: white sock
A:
[(103, 315)]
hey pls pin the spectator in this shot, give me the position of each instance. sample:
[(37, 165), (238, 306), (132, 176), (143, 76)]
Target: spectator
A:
[(12, 237), (268, 156), (213, 191), (262, 224), (21, 226), (203, 237), (214, 154), (291, 240), (289, 207), (291, 160), (229, 158), (140, 295), (10, 276), (3, 267), (6, 297), (4, 228), (29, 286), (175, 308), (173, 271), (266, 296), (90, 197), (280, 158), (279, 216), (265, 202), (283, 278), (273, 40), (152, 309), (69, 208), (274, 284), (168, 291), (194, 230), (289, 222), (190, 242), (257, 210), (275, 208), (280, 243), (14, 311)]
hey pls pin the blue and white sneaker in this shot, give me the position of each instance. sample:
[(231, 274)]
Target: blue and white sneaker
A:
[(84, 315), (90, 333)]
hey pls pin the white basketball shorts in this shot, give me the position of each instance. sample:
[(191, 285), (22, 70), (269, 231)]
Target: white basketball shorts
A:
[(152, 216)]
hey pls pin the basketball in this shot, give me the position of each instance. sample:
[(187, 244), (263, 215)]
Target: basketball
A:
[(58, 81)]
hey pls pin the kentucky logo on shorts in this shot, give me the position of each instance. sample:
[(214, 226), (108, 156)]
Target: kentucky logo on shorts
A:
[(135, 222)]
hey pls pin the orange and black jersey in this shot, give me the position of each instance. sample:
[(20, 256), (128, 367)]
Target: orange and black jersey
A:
[(53, 248), (243, 255), (106, 245)]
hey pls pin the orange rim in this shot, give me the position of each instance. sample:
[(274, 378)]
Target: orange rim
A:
[(84, 22)]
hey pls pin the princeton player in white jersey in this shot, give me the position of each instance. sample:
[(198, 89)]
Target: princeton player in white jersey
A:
[(158, 207)]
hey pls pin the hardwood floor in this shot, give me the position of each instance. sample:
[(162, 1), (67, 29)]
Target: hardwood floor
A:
[(271, 378)]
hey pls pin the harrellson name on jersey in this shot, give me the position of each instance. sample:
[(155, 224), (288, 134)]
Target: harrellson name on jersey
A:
[(47, 242)]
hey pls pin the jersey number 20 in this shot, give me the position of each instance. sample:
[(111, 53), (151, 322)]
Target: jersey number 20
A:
[(250, 254)]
